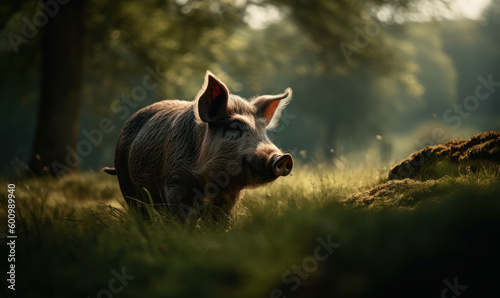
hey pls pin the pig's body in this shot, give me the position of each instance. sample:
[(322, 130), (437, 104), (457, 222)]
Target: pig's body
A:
[(189, 155), (168, 128)]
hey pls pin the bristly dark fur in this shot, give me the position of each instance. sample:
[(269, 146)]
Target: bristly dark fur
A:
[(190, 154)]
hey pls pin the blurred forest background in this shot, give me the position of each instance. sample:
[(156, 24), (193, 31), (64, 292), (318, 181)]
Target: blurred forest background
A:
[(373, 80)]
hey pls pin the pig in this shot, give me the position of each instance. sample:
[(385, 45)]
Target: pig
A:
[(192, 154)]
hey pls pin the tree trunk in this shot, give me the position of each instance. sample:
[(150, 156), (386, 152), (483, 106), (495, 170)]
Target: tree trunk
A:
[(61, 91)]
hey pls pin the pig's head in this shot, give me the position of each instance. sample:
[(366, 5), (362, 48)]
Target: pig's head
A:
[(235, 149)]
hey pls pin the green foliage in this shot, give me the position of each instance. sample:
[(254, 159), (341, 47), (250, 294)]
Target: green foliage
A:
[(75, 244)]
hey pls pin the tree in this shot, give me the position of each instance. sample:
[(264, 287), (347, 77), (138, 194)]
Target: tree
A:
[(491, 15), (61, 86)]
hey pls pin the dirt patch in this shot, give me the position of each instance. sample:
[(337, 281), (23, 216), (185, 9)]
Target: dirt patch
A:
[(451, 158)]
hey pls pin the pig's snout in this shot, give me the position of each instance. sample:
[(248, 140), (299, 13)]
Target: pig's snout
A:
[(281, 164)]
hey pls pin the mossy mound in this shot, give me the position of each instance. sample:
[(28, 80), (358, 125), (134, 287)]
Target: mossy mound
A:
[(452, 158), (437, 173), (409, 194)]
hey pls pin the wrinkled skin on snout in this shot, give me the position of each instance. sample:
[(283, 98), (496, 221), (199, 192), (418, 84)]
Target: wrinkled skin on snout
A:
[(190, 155)]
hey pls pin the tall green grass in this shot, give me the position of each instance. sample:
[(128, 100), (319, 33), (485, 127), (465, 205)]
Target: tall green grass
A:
[(73, 232)]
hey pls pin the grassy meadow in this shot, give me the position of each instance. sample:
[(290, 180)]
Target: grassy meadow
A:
[(317, 233)]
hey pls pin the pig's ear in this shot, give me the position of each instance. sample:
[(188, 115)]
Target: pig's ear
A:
[(211, 101), (270, 107)]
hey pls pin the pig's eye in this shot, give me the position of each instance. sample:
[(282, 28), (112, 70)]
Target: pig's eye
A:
[(234, 131)]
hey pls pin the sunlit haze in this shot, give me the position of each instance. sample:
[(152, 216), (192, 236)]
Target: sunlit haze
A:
[(471, 9), (259, 17)]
